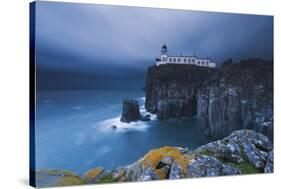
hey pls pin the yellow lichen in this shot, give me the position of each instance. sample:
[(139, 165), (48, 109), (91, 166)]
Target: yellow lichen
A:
[(70, 180), (93, 173), (155, 156)]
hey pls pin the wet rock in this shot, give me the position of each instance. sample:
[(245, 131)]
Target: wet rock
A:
[(130, 111), (145, 117)]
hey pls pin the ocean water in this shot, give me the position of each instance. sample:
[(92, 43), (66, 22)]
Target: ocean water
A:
[(73, 130)]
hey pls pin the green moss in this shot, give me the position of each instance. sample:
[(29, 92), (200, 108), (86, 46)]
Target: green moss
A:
[(109, 178), (206, 152), (244, 156), (246, 168)]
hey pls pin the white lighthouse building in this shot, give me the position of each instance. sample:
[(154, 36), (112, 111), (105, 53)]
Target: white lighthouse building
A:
[(192, 60)]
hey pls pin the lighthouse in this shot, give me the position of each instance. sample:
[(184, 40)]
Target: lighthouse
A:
[(191, 60), (164, 53)]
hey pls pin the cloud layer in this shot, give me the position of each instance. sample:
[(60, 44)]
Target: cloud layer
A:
[(98, 39)]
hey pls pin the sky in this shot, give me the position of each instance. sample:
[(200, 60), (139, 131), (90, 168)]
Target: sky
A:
[(87, 45)]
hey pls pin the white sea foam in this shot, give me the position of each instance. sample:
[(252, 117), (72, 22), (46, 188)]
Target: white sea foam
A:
[(143, 111), (121, 127), (106, 125), (142, 98)]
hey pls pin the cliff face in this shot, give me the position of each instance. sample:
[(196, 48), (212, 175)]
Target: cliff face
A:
[(225, 99), (171, 90)]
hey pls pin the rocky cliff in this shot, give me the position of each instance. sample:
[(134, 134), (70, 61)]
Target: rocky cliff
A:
[(225, 99), (243, 152)]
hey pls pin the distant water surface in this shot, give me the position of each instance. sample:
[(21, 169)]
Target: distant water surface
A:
[(73, 130)]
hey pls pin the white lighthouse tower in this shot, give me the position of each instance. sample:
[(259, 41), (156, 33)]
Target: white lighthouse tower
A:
[(164, 53)]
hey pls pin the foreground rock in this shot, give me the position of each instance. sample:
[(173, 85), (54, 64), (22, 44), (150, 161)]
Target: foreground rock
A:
[(225, 99), (247, 149), (130, 111), (242, 152), (206, 166), (57, 177)]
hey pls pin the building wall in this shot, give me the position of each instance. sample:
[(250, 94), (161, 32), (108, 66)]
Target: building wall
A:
[(185, 60)]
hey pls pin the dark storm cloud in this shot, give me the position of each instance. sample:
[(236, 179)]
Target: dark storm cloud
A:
[(122, 40)]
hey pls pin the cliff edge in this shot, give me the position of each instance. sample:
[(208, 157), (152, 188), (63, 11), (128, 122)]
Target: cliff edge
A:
[(232, 97)]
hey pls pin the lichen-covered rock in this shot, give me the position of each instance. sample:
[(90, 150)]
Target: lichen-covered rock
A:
[(93, 175), (130, 111), (242, 152), (243, 146), (206, 166), (57, 177), (269, 163), (165, 162)]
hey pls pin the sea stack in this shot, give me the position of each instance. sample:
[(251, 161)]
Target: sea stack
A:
[(130, 111)]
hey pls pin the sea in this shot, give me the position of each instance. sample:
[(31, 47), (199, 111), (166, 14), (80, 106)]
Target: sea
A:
[(74, 130)]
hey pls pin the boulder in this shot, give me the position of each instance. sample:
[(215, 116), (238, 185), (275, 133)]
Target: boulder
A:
[(162, 163), (93, 175), (206, 166), (130, 111), (145, 117), (246, 147), (57, 177)]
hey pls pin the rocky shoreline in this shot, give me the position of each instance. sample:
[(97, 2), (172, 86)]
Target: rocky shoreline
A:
[(242, 152), (234, 104), (232, 97)]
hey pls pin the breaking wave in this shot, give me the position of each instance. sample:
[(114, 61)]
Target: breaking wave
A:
[(115, 125)]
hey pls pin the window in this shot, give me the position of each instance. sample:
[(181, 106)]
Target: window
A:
[(193, 61), (179, 59), (189, 60), (170, 60), (199, 62), (185, 60), (207, 62), (174, 60)]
